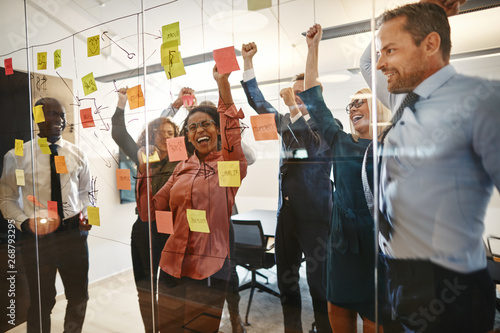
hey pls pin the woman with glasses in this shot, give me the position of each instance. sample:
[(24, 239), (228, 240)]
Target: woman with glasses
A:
[(195, 259), (159, 130), (350, 262)]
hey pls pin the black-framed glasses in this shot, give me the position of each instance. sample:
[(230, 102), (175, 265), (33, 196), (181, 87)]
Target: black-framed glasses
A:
[(204, 124), (356, 103)]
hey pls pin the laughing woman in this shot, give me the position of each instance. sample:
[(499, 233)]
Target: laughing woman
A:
[(195, 265)]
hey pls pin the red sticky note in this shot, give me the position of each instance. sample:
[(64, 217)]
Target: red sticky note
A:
[(176, 148), (52, 208), (123, 179), (33, 200), (135, 97), (225, 59), (86, 117), (264, 127), (187, 100), (8, 66), (164, 222)]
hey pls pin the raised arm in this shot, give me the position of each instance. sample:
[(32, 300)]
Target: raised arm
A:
[(174, 107), (119, 129), (313, 38)]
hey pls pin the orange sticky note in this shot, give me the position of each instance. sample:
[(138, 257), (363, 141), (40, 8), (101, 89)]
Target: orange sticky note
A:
[(52, 209), (41, 59), (197, 220), (187, 100), (176, 148), (229, 173), (33, 200), (93, 214), (88, 83), (8, 66), (225, 59), (86, 117), (164, 222), (44, 146), (60, 163), (57, 58), (135, 97), (123, 179), (19, 151), (20, 177), (38, 114), (93, 46), (264, 127)]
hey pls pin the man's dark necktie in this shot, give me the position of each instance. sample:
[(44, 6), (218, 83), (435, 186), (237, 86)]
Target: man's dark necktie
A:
[(409, 101), (55, 182)]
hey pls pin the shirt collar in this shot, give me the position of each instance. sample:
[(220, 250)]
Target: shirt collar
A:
[(436, 80)]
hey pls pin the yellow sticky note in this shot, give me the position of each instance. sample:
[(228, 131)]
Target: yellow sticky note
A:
[(152, 158), (38, 114), (44, 145), (60, 163), (175, 69), (20, 177), (57, 59), (88, 83), (93, 46), (169, 53), (229, 173), (19, 147), (197, 220), (41, 59), (171, 32), (93, 214)]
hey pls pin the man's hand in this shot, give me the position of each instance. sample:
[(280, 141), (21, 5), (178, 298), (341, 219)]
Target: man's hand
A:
[(84, 225), (186, 91), (44, 225), (289, 99), (122, 98), (247, 52), (314, 34), (451, 7)]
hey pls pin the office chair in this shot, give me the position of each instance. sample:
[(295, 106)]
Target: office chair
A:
[(250, 246), (493, 264)]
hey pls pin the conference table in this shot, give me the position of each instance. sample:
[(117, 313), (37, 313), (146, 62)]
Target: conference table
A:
[(267, 218)]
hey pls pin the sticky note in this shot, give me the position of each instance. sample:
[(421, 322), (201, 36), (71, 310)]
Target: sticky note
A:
[(229, 173), (171, 32), (34, 201), (152, 158), (86, 117), (93, 46), (41, 59), (60, 163), (225, 59), (93, 214), (175, 69), (187, 100), (123, 179), (8, 66), (135, 97), (259, 4), (197, 220), (169, 53), (44, 146), (52, 209), (57, 59), (38, 114), (19, 147), (88, 83), (176, 148), (264, 127), (164, 222), (20, 177)]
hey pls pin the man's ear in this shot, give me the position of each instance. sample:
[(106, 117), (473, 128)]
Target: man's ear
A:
[(432, 43)]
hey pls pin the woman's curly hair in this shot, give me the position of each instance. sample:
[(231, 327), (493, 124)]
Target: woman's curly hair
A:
[(153, 127)]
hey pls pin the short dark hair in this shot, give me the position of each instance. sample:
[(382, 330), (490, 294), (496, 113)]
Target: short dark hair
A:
[(422, 19), (212, 112), (298, 77)]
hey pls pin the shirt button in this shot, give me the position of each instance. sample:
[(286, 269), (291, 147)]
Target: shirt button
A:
[(402, 122)]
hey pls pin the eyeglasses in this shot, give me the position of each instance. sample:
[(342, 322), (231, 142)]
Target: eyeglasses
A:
[(204, 124), (356, 103)]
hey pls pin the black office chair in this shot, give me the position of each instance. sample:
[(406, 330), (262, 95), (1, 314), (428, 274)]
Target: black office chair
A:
[(251, 252)]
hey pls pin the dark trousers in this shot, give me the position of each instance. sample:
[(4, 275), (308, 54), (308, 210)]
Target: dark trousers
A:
[(294, 237), (233, 293), (66, 252), (189, 305), (141, 262), (425, 297)]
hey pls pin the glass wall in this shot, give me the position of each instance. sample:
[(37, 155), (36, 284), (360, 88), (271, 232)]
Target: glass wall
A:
[(116, 83)]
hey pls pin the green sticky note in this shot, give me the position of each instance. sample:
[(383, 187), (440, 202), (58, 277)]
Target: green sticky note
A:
[(88, 83), (93, 46), (38, 114), (229, 173), (44, 145), (57, 59), (197, 220), (171, 32), (41, 59), (93, 214)]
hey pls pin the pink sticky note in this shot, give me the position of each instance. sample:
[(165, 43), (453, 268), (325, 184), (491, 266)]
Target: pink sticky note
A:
[(8, 66), (225, 59), (176, 148), (52, 208), (86, 117), (187, 100), (164, 222)]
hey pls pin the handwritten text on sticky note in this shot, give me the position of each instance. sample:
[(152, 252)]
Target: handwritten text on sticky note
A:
[(176, 148), (8, 66), (44, 145), (135, 97), (123, 179), (197, 220), (19, 147), (93, 46), (171, 32), (164, 222), (38, 114), (88, 83), (57, 59), (20, 177), (93, 214), (86, 117), (60, 163), (229, 173), (175, 69), (41, 59), (225, 59), (152, 158), (52, 209), (264, 127)]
